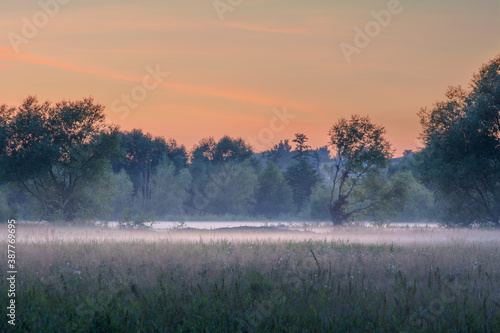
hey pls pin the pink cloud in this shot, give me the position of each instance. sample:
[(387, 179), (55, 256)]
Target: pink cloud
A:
[(267, 29), (7, 54)]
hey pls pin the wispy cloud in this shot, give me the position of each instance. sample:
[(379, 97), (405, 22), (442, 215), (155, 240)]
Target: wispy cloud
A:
[(261, 28), (7, 54), (223, 92), (241, 95)]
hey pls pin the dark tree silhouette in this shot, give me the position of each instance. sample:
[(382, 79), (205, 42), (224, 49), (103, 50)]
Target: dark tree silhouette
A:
[(58, 153), (461, 157), (359, 148)]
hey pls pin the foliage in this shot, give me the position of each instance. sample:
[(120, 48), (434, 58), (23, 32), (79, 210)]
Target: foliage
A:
[(226, 149), (6, 211), (301, 177), (144, 153), (303, 151), (58, 154), (201, 167), (282, 154), (419, 205), (169, 190), (95, 199), (300, 174), (381, 196), (274, 196), (319, 203), (279, 154), (231, 189), (461, 157), (229, 149), (360, 149), (124, 193), (223, 177)]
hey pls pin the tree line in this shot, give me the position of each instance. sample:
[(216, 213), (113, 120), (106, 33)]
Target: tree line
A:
[(63, 162)]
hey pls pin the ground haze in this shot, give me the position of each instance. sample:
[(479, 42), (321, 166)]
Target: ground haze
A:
[(252, 279)]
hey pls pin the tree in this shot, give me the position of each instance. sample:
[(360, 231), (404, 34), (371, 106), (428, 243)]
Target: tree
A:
[(461, 157), (143, 154), (359, 150), (209, 153), (302, 149), (169, 189), (279, 154), (380, 196), (229, 149), (60, 154), (214, 164), (300, 174), (231, 189), (204, 151), (123, 200), (274, 196), (201, 166), (319, 203), (420, 204), (301, 177)]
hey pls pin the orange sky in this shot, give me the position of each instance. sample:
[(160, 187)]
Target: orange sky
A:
[(235, 76)]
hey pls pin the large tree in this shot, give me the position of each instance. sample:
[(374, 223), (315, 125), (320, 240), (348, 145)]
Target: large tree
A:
[(213, 165), (360, 151), (461, 157), (60, 154)]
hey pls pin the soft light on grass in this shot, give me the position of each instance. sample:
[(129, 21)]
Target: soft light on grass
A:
[(347, 279)]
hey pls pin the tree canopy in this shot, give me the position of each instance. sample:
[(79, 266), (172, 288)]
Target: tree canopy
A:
[(461, 157), (59, 154), (143, 154), (360, 150)]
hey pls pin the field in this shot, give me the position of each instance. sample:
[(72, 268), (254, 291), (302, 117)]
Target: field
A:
[(352, 279)]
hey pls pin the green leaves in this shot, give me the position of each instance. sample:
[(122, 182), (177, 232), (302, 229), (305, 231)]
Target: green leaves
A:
[(360, 149), (461, 159), (274, 196), (302, 177), (359, 143), (58, 153)]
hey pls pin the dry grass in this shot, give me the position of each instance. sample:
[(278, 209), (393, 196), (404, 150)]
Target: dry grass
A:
[(347, 279)]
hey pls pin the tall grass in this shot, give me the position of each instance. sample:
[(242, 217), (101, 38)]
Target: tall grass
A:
[(161, 283)]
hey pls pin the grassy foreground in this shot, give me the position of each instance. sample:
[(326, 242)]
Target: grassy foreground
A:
[(169, 284)]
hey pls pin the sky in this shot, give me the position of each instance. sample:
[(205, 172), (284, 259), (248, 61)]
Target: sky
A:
[(261, 70)]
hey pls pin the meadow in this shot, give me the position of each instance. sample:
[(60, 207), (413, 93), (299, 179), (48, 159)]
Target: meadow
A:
[(319, 279)]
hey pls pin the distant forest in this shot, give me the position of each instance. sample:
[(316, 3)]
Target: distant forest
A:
[(61, 162)]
